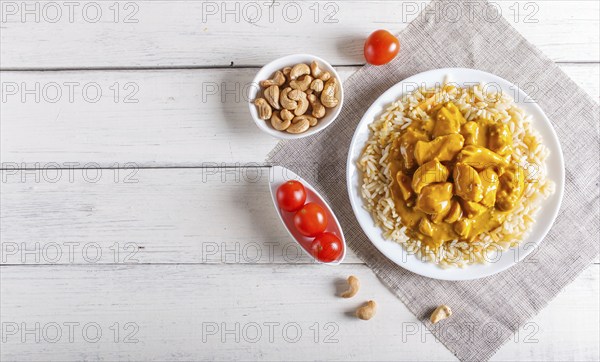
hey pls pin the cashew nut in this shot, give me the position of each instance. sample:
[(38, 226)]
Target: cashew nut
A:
[(317, 85), (295, 94), (328, 96), (315, 70), (367, 311), (286, 71), (278, 123), (312, 121), (441, 312), (301, 83), (354, 286), (278, 80), (338, 90), (286, 115), (264, 109), (298, 127), (299, 70), (325, 76), (302, 105), (286, 102), (271, 94), (318, 110)]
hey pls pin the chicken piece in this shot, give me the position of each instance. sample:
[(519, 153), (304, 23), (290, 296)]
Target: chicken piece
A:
[(448, 120), (510, 188), (444, 148), (489, 179), (467, 183), (500, 139), (472, 209), (407, 143), (439, 218), (454, 214), (470, 131), (425, 227), (480, 157), (435, 198), (462, 227), (431, 172), (404, 185)]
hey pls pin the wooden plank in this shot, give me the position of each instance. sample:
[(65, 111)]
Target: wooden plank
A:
[(206, 215), (184, 312), (159, 118), (214, 33)]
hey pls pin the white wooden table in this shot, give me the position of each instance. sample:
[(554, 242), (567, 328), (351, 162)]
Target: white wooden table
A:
[(136, 221)]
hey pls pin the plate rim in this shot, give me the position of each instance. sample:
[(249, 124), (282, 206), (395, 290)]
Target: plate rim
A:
[(464, 274)]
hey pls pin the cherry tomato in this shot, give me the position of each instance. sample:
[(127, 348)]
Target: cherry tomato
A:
[(381, 47), (291, 196), (311, 219), (327, 247)]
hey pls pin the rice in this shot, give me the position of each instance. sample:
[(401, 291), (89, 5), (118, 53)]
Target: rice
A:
[(473, 102)]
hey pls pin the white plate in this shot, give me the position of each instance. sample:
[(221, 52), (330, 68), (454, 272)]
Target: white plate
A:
[(280, 175), (549, 207)]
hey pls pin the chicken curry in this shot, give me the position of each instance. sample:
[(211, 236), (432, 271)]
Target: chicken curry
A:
[(454, 179)]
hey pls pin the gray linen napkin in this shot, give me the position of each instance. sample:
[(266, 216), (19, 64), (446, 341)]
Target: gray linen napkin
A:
[(486, 311)]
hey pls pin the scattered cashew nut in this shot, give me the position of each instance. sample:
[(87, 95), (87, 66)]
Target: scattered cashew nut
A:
[(367, 311), (354, 286), (298, 127), (264, 109), (278, 80), (278, 123), (299, 70), (441, 312), (271, 94)]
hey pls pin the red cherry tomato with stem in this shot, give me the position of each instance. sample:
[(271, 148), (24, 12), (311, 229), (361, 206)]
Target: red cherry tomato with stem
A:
[(291, 196), (311, 219), (381, 47), (327, 247)]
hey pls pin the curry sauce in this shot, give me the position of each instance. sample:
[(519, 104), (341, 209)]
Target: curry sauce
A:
[(454, 179)]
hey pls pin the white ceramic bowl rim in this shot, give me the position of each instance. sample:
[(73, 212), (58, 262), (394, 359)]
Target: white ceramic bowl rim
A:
[(544, 219)]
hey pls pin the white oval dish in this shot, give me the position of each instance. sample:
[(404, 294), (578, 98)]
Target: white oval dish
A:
[(544, 219), (267, 72), (280, 175)]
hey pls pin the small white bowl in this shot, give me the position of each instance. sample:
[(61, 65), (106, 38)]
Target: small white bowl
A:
[(278, 64), (278, 176)]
